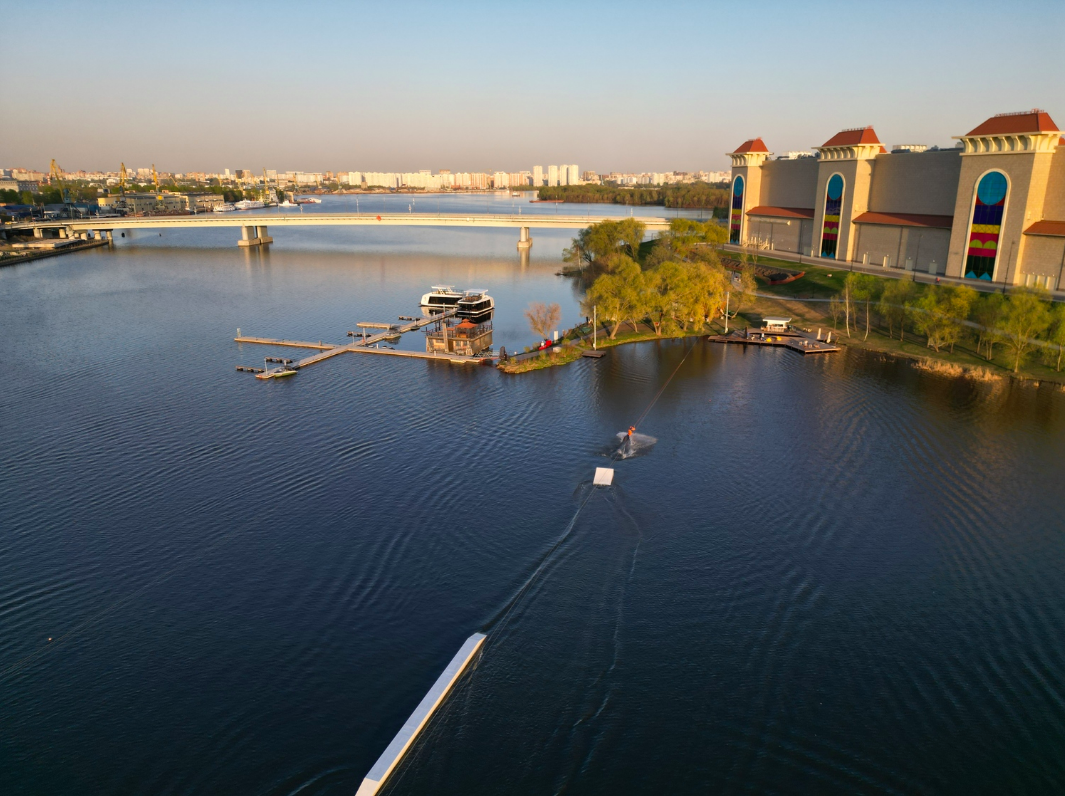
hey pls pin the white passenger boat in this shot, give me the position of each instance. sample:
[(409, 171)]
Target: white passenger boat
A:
[(249, 204), (475, 306), (225, 207), (440, 298)]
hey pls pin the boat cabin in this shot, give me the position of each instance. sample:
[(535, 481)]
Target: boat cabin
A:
[(770, 324)]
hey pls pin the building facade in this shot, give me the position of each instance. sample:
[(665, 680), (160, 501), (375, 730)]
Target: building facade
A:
[(990, 209)]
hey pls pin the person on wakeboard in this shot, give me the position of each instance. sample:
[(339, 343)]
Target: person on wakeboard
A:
[(628, 441)]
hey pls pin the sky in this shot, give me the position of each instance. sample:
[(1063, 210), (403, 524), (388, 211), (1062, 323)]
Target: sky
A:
[(474, 86)]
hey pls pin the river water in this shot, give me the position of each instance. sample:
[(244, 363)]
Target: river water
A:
[(829, 575)]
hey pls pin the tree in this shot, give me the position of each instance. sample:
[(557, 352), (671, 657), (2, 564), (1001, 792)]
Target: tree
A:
[(893, 304), (616, 294), (850, 285), (939, 313), (867, 290), (1027, 315), (1057, 335), (987, 315), (543, 318), (631, 232)]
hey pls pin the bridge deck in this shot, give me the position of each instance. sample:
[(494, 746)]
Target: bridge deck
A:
[(277, 219)]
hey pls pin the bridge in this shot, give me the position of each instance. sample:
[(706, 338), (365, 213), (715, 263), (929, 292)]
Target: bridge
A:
[(254, 226)]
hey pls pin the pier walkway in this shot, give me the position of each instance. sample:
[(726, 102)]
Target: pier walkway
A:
[(365, 345), (802, 343)]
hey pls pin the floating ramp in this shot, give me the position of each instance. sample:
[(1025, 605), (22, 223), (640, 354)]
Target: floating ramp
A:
[(390, 758)]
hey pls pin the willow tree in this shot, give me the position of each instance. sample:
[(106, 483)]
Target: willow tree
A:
[(1027, 315), (616, 296)]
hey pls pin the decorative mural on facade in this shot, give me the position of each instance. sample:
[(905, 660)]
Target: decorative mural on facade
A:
[(736, 220), (985, 229), (833, 210)]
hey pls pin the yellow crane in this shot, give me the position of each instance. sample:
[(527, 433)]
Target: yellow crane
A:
[(55, 176), (155, 178), (122, 177)]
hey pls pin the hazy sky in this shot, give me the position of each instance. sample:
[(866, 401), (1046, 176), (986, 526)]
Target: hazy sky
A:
[(389, 86)]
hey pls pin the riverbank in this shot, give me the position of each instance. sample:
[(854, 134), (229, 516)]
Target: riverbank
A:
[(808, 301), (9, 257)]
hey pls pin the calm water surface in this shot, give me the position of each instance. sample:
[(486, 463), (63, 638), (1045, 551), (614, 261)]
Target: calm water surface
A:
[(830, 575)]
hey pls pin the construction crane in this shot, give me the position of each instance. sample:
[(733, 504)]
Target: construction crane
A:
[(155, 178), (54, 175), (122, 176)]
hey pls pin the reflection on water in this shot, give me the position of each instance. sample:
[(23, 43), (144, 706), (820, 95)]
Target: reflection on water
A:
[(830, 574)]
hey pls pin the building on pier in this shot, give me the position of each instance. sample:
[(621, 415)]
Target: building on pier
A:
[(992, 208), (458, 337)]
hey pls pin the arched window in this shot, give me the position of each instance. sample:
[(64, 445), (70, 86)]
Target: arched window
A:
[(736, 220), (985, 227), (833, 209)]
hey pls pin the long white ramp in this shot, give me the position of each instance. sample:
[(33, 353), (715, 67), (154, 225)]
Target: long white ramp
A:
[(389, 758)]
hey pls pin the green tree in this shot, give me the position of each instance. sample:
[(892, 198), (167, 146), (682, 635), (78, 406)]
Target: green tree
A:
[(939, 313), (897, 294), (986, 313), (616, 294), (1057, 336), (866, 291), (631, 233), (1026, 316)]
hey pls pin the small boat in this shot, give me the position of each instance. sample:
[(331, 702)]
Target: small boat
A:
[(441, 297), (249, 204), (280, 373), (225, 207), (287, 203), (475, 305), (310, 200)]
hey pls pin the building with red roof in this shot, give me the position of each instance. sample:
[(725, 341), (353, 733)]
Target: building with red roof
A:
[(991, 209)]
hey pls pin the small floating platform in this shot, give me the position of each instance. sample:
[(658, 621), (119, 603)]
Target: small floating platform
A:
[(790, 339), (389, 758), (593, 354)]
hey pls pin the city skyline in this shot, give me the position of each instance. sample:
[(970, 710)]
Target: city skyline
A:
[(396, 87)]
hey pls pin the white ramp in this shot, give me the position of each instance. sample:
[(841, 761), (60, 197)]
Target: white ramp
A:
[(604, 476), (389, 758)]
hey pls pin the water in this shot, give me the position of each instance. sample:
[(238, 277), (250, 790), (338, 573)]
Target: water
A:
[(829, 575)]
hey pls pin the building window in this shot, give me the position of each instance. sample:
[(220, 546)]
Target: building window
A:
[(833, 210), (736, 222), (985, 228)]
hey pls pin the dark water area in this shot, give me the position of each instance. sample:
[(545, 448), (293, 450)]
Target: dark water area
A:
[(834, 575)]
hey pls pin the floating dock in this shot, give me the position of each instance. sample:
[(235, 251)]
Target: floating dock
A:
[(394, 752), (365, 345), (789, 339)]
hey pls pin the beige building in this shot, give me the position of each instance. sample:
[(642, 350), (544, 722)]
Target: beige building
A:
[(136, 203), (991, 209)]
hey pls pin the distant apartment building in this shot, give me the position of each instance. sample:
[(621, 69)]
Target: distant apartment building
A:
[(573, 175), (990, 209), (500, 179), (136, 203), (381, 179), (552, 176), (19, 185), (538, 176)]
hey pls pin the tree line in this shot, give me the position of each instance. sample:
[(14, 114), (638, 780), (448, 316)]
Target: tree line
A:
[(1022, 322), (695, 195)]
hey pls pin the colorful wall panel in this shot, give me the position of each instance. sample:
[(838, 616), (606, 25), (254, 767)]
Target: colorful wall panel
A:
[(736, 219), (833, 210), (985, 228)]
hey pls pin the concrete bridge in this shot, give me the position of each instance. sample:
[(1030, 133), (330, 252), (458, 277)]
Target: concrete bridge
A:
[(254, 226)]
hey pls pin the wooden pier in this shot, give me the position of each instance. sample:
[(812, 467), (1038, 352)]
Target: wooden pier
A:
[(365, 345)]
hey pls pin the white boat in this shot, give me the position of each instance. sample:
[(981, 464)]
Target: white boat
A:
[(441, 297), (309, 200), (249, 204), (225, 207), (287, 203), (475, 306)]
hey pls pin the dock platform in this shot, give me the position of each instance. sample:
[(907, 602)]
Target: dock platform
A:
[(792, 340), (365, 345)]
